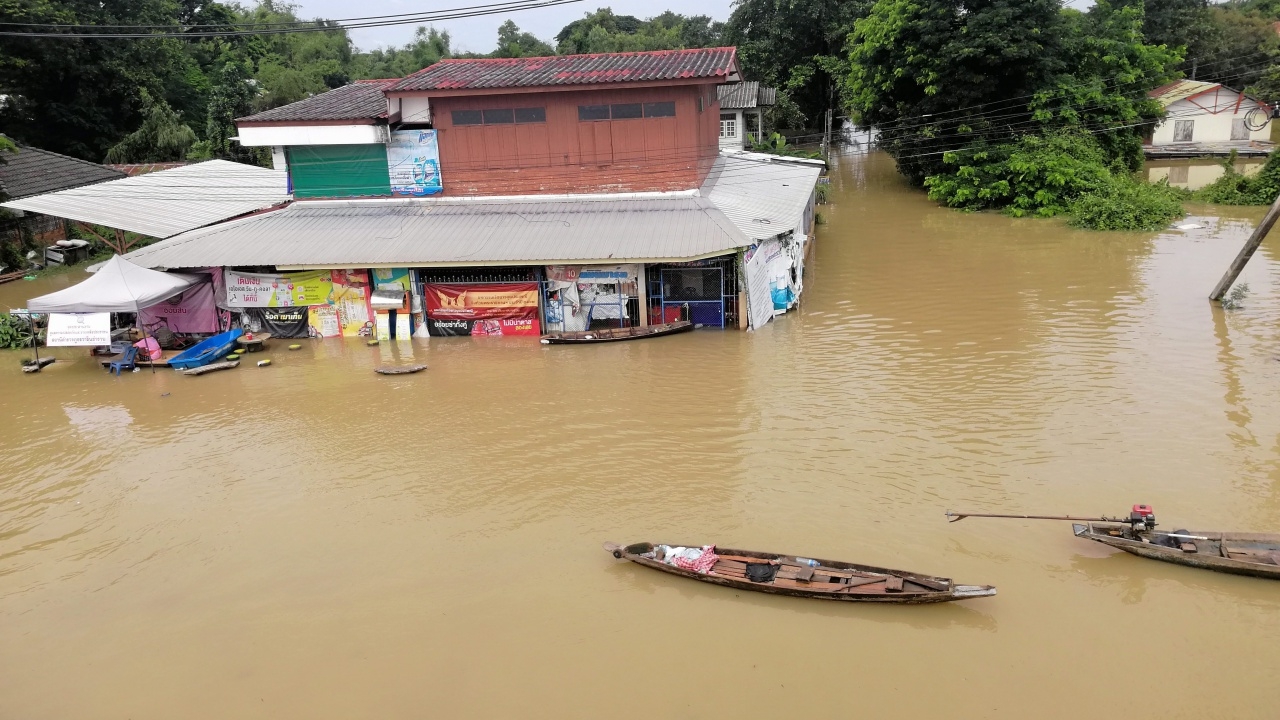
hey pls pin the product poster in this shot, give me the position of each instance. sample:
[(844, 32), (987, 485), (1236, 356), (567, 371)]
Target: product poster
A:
[(413, 163), (350, 297), (282, 322), (323, 321), (258, 290), (482, 309)]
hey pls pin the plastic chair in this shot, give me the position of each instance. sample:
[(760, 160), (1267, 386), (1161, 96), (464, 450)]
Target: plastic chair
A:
[(128, 362)]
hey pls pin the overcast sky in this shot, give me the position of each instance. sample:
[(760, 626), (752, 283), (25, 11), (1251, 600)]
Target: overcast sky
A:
[(480, 34)]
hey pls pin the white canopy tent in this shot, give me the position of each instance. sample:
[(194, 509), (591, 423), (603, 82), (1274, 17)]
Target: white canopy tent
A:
[(120, 286)]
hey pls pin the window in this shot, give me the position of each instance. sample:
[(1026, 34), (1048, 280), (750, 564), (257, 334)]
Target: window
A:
[(1183, 129), (531, 115), (728, 125), (699, 103), (627, 111), (1239, 130), (499, 116), (466, 117), (593, 112), (660, 109)]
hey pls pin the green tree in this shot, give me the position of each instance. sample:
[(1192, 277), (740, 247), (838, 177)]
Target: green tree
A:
[(163, 137), (231, 97), (514, 44), (429, 46), (603, 31), (798, 46), (934, 75)]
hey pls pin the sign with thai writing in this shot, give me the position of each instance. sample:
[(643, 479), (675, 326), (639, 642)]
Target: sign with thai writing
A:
[(246, 290), (482, 309), (78, 329), (413, 163)]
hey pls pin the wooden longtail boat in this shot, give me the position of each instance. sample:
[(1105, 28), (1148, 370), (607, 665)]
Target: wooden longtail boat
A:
[(616, 334), (799, 577), (1256, 554)]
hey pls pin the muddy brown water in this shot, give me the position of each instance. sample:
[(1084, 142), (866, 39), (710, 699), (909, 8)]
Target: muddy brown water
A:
[(314, 540)]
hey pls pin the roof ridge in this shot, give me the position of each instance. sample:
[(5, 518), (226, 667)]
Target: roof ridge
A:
[(22, 147)]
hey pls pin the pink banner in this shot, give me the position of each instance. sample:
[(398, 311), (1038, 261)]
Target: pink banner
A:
[(193, 311)]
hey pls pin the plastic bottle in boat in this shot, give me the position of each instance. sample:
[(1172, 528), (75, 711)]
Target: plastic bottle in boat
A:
[(807, 561)]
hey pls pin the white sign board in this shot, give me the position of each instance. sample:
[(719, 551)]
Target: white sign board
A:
[(413, 162), (79, 329)]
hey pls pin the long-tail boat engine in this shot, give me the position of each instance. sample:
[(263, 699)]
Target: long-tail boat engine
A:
[(1142, 519)]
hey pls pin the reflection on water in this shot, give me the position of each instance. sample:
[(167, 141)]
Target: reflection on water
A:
[(1195, 174), (311, 539)]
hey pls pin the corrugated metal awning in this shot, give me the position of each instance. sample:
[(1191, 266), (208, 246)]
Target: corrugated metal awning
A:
[(762, 196), (165, 203), (457, 232)]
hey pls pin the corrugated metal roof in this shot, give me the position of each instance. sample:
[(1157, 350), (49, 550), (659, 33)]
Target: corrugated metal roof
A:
[(762, 197), (456, 231), (1180, 90), (486, 73), (32, 171), (361, 100), (746, 95), (165, 203)]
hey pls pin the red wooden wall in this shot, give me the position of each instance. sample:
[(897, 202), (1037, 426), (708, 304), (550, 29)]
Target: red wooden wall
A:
[(565, 155)]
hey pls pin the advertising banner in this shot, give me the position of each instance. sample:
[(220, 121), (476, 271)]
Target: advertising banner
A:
[(350, 298), (413, 163), (323, 321), (283, 322), (246, 290), (482, 309), (78, 329), (191, 311)]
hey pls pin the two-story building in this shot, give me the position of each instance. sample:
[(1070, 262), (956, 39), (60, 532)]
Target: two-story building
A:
[(511, 196)]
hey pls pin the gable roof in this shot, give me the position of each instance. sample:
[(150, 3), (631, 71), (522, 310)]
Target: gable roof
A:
[(574, 70), (746, 95), (31, 172), (1180, 90), (362, 100)]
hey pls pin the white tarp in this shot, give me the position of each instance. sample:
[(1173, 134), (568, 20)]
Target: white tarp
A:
[(120, 286), (79, 329)]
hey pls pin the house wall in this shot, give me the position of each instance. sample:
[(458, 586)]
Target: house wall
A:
[(1213, 114), (564, 154)]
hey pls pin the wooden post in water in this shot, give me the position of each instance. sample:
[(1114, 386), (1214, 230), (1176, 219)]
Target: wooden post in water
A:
[(1247, 251)]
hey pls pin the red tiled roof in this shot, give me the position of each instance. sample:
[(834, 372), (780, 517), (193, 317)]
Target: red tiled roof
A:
[(478, 74), (361, 100)]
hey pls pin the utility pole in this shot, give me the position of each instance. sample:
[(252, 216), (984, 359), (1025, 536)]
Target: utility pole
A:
[(1246, 252)]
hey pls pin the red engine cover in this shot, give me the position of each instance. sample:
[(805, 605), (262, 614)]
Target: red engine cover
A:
[(1144, 509)]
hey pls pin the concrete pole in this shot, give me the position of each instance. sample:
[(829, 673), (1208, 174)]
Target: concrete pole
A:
[(642, 294), (1246, 252)]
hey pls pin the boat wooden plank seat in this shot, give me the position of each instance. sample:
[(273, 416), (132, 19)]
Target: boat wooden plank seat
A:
[(893, 583), (1269, 557)]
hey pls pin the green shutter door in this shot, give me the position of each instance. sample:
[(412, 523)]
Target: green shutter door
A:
[(338, 170)]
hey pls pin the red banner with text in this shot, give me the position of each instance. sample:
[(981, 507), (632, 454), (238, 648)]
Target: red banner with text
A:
[(482, 309)]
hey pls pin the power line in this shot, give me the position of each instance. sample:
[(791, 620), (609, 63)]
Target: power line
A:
[(84, 32)]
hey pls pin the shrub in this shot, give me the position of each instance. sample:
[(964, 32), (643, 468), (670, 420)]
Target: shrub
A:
[(1037, 175), (1236, 189), (1123, 203), (15, 332)]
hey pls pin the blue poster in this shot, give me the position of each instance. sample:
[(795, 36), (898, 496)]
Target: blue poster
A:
[(413, 162)]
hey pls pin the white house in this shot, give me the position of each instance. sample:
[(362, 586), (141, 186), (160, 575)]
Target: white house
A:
[(1205, 112), (742, 112)]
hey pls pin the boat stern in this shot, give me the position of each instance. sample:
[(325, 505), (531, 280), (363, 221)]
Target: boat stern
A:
[(1079, 529), (964, 592)]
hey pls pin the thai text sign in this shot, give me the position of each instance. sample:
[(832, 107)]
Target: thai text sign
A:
[(245, 290), (482, 309), (79, 329), (413, 162)]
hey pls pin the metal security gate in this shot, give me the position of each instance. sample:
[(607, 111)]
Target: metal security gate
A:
[(701, 289)]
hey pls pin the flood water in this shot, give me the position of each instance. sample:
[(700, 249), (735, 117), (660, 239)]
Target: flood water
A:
[(313, 540)]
